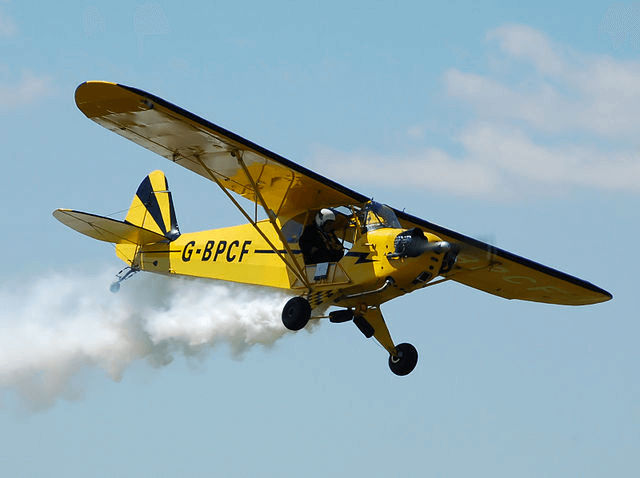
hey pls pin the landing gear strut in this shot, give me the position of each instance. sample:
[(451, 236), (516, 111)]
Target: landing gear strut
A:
[(405, 359), (296, 313)]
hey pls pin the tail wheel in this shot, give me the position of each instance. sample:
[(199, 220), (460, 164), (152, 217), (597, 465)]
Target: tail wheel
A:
[(296, 313), (405, 360)]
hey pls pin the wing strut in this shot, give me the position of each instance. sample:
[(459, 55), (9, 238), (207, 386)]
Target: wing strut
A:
[(294, 268), (272, 219)]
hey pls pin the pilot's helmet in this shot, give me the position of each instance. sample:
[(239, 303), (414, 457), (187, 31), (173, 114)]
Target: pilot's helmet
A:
[(323, 216)]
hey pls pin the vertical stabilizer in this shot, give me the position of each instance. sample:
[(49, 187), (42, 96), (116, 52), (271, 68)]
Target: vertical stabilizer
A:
[(151, 209)]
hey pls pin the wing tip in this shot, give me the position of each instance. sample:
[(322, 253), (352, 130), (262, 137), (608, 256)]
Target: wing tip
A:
[(90, 92), (60, 212), (607, 295), (597, 296)]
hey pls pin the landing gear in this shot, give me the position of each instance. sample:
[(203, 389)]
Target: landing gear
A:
[(405, 359), (296, 313)]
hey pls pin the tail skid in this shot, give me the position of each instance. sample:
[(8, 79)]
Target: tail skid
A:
[(121, 276)]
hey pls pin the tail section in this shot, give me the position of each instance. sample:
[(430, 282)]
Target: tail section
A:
[(151, 219), (152, 210), (152, 207), (105, 228)]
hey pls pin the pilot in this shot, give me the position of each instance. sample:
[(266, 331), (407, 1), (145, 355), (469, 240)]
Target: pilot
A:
[(319, 242)]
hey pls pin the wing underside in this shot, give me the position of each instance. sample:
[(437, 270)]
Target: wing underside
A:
[(286, 189), (502, 273), (219, 155)]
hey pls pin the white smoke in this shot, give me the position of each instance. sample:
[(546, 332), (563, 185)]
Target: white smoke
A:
[(61, 325)]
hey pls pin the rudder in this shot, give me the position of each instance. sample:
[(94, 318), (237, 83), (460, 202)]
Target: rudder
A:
[(152, 207)]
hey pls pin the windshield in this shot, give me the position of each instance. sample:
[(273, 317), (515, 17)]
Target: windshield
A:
[(376, 216)]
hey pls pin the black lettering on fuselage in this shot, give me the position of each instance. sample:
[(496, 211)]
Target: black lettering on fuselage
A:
[(187, 251), (222, 245), (231, 258), (211, 251), (206, 255), (244, 250)]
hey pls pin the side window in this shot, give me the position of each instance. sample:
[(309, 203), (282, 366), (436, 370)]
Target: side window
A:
[(345, 227), (293, 228)]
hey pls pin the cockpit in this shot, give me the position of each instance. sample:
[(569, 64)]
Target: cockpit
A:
[(350, 226), (351, 222)]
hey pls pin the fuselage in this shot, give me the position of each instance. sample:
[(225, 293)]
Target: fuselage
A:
[(242, 254)]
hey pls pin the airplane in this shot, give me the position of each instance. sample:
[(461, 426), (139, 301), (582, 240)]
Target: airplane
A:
[(383, 252)]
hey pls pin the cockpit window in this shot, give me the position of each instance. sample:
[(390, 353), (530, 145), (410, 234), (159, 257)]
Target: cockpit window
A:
[(377, 216)]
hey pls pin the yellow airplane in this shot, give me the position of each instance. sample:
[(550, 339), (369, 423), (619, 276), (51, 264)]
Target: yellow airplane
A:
[(327, 244)]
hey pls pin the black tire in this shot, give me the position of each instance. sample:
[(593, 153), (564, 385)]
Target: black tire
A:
[(296, 313), (405, 361), (339, 316)]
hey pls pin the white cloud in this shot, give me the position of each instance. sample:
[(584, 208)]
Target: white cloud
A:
[(573, 104), (569, 92), (498, 162), (510, 153), (28, 90), (491, 99), (426, 170), (530, 45)]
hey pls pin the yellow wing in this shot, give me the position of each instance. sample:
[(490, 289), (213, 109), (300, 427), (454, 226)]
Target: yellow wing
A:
[(209, 150), (502, 273), (287, 189)]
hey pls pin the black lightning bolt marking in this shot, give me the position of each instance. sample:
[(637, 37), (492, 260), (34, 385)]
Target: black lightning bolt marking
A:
[(363, 257)]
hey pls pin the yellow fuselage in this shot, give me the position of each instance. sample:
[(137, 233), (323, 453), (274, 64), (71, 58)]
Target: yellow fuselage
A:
[(241, 254)]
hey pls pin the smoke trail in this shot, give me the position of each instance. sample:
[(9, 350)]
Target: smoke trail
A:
[(62, 324)]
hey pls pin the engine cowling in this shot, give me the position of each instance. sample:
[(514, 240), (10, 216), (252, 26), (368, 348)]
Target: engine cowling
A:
[(413, 243)]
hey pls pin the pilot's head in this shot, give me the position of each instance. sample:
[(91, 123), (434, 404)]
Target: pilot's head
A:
[(325, 219)]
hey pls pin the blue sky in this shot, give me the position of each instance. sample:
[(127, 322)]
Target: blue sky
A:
[(512, 123)]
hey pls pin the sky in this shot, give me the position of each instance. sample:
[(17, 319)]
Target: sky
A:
[(514, 123)]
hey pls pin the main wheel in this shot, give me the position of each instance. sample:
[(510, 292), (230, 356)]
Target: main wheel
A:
[(405, 360), (296, 313)]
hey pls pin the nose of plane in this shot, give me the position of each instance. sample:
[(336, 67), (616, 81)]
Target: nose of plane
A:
[(413, 242)]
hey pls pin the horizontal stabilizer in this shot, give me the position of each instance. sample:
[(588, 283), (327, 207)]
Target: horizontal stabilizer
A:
[(106, 229)]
